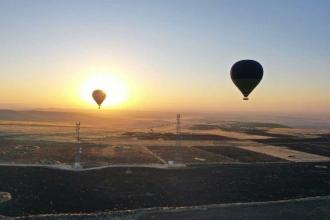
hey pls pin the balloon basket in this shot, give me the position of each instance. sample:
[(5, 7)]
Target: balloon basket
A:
[(245, 98)]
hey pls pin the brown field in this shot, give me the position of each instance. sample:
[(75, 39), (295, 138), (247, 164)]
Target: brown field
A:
[(188, 155), (220, 162), (96, 156), (152, 140), (244, 156), (40, 190)]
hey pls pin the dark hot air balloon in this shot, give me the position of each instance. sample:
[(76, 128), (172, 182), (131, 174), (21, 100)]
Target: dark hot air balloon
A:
[(99, 96), (246, 75)]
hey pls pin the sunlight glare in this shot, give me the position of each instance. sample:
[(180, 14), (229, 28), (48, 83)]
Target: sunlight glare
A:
[(114, 87)]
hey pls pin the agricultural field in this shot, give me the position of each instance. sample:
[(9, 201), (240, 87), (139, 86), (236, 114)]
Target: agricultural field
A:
[(144, 162), (41, 190), (151, 140)]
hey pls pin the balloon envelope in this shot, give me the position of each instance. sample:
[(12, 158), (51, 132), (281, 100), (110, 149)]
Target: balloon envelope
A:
[(99, 96), (246, 75)]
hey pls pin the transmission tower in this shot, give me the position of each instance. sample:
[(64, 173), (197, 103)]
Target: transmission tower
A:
[(78, 147), (178, 139)]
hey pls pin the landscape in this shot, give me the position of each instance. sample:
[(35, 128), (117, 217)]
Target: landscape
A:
[(164, 109), (138, 160)]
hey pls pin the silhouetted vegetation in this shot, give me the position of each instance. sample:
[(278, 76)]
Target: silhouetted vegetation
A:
[(37, 190)]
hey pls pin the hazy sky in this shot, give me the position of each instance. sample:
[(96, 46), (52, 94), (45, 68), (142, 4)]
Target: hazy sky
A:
[(172, 55)]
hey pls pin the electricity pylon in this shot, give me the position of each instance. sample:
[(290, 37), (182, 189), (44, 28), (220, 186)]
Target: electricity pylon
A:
[(78, 147)]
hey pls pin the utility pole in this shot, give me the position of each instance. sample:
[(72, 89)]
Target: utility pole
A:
[(178, 139), (78, 148)]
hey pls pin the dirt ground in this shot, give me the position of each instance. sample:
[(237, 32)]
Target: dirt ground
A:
[(37, 190), (188, 155), (242, 155), (307, 208)]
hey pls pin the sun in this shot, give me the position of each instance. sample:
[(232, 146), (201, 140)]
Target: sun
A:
[(114, 87)]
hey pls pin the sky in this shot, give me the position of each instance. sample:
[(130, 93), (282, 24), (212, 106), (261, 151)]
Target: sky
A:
[(164, 55)]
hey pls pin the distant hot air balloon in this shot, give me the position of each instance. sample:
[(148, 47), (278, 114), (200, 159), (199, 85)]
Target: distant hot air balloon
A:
[(99, 96), (246, 75)]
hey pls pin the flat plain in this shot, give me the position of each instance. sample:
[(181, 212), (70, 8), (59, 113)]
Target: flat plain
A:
[(141, 161)]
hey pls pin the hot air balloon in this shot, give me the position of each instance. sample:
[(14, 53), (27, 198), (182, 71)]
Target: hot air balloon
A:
[(99, 96), (246, 75)]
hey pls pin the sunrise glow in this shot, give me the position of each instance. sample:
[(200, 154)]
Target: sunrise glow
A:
[(115, 88)]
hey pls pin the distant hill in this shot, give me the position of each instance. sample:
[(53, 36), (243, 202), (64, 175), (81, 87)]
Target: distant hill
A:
[(120, 117), (103, 118), (42, 115)]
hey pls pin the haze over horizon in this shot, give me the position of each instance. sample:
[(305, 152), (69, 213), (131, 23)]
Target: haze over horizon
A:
[(164, 55)]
